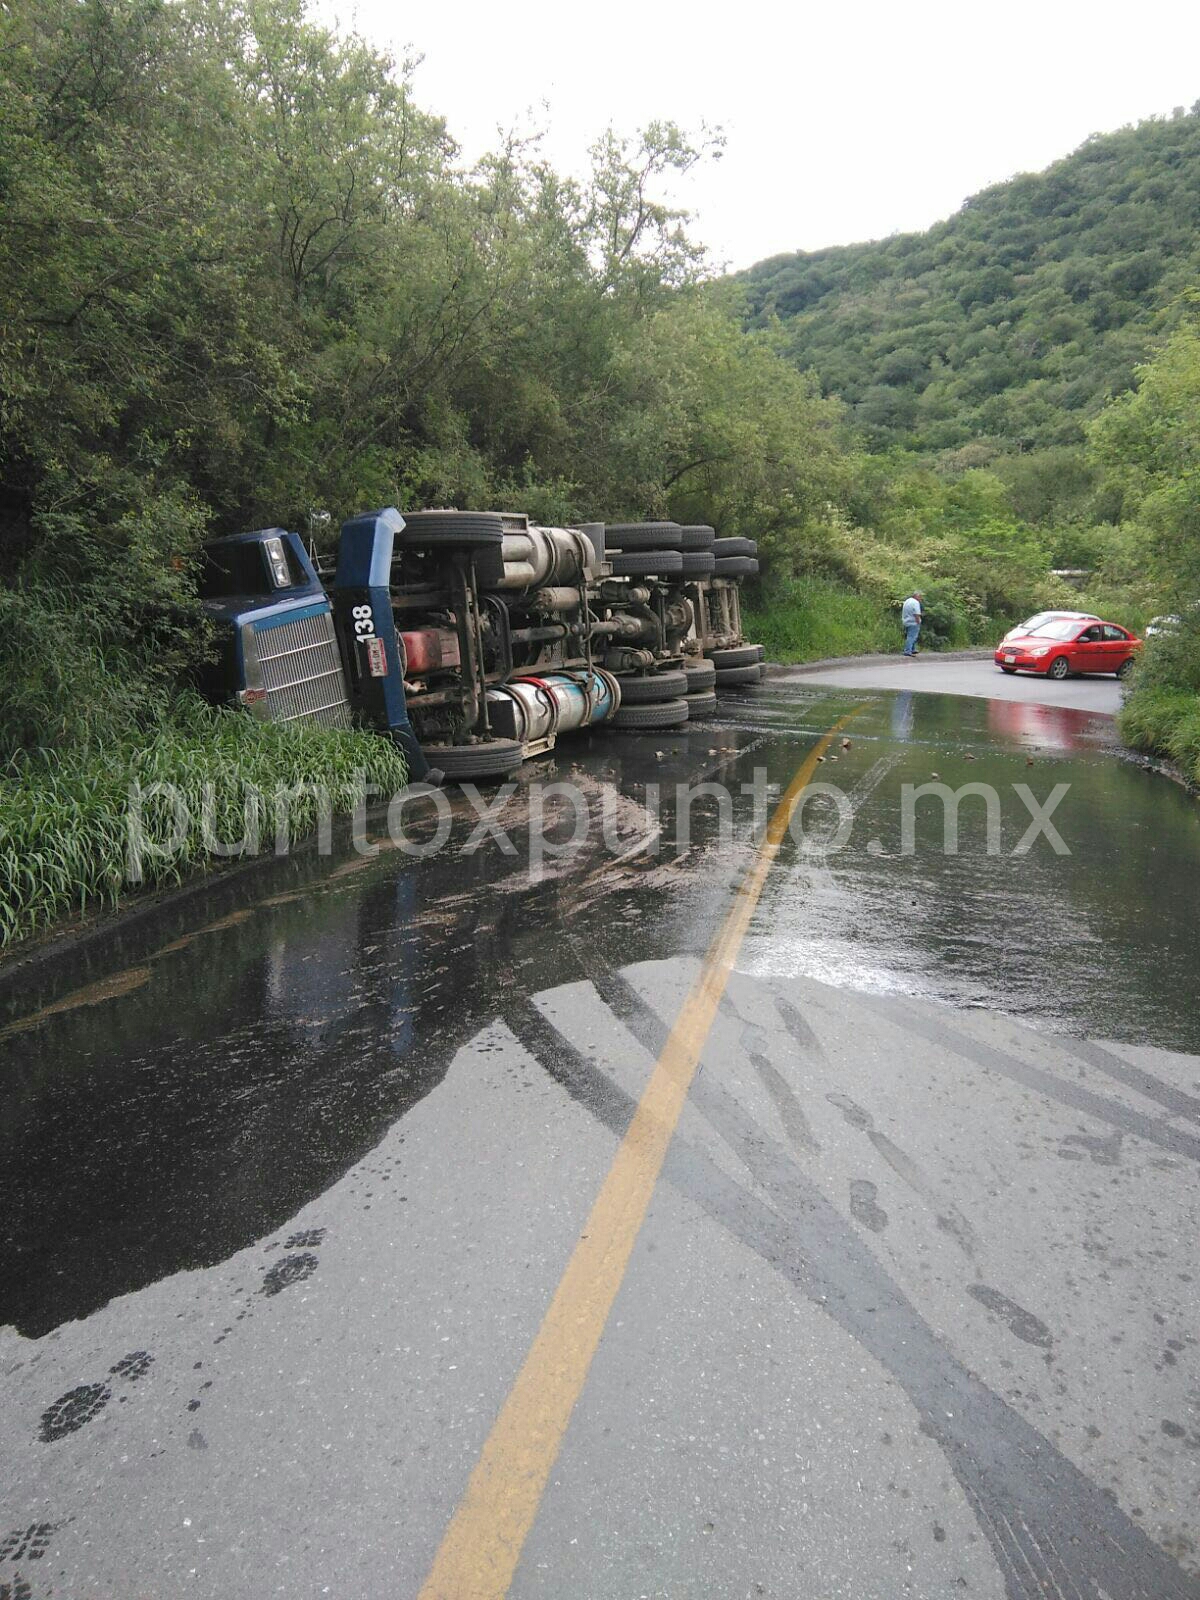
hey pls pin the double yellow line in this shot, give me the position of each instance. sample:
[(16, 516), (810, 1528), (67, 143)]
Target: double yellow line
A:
[(482, 1544)]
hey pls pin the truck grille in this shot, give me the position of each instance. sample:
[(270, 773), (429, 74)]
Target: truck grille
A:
[(302, 672)]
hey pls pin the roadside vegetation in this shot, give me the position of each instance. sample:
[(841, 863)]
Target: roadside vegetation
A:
[(1149, 444), (204, 782), (246, 276)]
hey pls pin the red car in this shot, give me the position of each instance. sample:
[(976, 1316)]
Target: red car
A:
[(1062, 649)]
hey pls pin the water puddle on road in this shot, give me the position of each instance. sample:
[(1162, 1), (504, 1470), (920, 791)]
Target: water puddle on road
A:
[(264, 1060)]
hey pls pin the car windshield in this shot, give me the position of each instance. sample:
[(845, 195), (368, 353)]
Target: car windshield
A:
[(1035, 623), (1057, 630)]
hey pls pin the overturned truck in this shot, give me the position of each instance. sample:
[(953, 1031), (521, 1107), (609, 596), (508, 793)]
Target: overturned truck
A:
[(476, 638)]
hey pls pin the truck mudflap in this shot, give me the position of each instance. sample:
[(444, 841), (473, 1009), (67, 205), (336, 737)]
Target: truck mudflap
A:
[(362, 608)]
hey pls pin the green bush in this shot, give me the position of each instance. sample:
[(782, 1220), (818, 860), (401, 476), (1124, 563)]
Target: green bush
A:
[(1183, 740), (65, 819), (946, 623), (1161, 713)]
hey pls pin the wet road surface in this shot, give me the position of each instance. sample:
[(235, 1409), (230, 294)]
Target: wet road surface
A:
[(979, 677), (296, 1175)]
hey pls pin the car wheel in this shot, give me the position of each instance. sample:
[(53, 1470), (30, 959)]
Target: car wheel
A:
[(1059, 669), (701, 704), (1009, 670), (742, 655), (1125, 668), (662, 714), (642, 535), (653, 687), (738, 677), (490, 758), (646, 563)]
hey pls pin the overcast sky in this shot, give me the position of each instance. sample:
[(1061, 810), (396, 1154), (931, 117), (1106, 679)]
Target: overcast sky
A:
[(843, 122)]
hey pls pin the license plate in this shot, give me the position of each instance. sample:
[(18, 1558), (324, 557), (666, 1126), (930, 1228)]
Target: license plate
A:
[(1008, 660), (376, 656)]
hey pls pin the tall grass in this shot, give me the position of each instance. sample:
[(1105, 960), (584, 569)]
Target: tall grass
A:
[(65, 817), (811, 619)]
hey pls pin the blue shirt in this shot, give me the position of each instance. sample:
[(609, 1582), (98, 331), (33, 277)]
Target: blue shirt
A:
[(911, 612)]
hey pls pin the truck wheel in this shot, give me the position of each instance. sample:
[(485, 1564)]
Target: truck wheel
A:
[(453, 530), (700, 677), (646, 564), (735, 567), (491, 758), (663, 714), (737, 677), (696, 536), (701, 704), (742, 655), (642, 535), (655, 686), (698, 564), (734, 547)]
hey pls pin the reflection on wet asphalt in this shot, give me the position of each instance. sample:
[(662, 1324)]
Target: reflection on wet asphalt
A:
[(291, 1171)]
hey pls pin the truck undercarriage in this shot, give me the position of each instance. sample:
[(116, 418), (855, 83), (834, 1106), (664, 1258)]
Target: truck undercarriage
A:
[(476, 638)]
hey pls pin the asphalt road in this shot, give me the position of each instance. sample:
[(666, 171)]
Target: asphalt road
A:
[(757, 1213), (931, 674)]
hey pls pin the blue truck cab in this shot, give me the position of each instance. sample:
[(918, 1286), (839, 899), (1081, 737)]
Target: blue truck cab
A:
[(279, 653), (289, 651)]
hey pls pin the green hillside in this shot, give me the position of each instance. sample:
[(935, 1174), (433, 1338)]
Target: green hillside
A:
[(1016, 319)]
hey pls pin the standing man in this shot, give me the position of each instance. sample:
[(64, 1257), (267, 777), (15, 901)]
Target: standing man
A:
[(910, 617)]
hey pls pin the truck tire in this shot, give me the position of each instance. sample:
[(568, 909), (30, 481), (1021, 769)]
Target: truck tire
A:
[(642, 535), (701, 704), (742, 655), (698, 564), (735, 567), (655, 686), (734, 547), (738, 677), (663, 714), (490, 758), (696, 536), (700, 677), (452, 530), (646, 563)]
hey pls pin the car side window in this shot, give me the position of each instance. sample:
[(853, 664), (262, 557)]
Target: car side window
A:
[(1090, 635), (1114, 633)]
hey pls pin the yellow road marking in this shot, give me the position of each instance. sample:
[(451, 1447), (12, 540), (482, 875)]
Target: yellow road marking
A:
[(482, 1544)]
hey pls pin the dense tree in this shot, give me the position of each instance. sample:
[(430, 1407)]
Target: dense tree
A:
[(1046, 291), (243, 275), (1148, 445)]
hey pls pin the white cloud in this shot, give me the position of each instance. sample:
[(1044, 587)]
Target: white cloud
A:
[(842, 123)]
